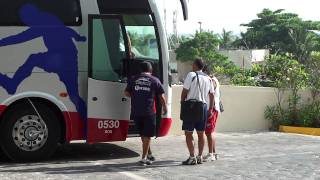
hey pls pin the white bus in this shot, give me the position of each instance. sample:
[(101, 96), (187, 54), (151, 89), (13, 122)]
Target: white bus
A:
[(64, 65)]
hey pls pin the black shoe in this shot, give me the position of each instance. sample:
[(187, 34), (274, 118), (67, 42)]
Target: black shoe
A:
[(150, 157), (190, 161), (145, 162)]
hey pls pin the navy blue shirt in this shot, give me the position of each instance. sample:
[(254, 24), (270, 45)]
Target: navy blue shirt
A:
[(143, 89)]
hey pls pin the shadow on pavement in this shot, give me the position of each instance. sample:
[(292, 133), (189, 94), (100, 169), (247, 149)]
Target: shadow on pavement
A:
[(80, 152), (84, 152), (116, 167)]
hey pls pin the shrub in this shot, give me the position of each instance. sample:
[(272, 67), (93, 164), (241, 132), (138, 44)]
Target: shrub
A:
[(309, 115), (277, 116), (242, 80)]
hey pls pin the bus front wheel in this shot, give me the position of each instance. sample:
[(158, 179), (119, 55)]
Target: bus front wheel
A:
[(29, 132)]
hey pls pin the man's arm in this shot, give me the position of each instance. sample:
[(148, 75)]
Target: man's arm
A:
[(184, 94), (127, 93), (163, 103), (186, 86), (24, 36), (128, 90), (211, 99)]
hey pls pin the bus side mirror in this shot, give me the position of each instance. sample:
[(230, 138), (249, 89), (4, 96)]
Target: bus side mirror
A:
[(184, 5)]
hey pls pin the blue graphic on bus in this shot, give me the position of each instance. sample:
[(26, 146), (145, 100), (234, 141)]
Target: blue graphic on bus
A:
[(60, 58)]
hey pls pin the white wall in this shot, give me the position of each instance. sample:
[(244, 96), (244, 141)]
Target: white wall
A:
[(241, 58), (244, 108), (245, 58)]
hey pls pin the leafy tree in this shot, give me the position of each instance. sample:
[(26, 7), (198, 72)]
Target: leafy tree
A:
[(282, 33), (203, 45), (313, 69)]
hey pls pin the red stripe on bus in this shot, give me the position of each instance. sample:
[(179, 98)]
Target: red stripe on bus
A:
[(105, 130), (74, 126), (2, 108)]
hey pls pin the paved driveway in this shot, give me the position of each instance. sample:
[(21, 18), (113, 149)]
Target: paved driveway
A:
[(265, 155)]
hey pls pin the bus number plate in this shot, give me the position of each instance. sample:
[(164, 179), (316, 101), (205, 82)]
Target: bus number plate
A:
[(108, 125)]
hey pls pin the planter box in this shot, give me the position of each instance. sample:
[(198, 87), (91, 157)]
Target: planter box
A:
[(300, 130)]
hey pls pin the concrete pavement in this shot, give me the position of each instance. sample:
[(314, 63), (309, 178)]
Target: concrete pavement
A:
[(264, 155)]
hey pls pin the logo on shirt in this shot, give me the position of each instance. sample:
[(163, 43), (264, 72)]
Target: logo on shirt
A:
[(143, 81), (143, 84), (141, 88)]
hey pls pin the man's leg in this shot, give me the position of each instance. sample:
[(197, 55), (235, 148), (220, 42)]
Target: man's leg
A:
[(145, 146), (149, 150), (190, 143), (210, 138), (200, 127), (188, 128), (200, 142), (150, 156), (211, 143)]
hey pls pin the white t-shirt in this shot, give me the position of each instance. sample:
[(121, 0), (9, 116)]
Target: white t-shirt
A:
[(217, 94), (191, 84)]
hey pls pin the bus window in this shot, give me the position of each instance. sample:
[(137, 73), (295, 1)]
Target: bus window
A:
[(67, 11), (108, 50), (142, 34)]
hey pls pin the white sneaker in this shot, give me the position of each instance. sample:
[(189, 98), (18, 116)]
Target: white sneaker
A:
[(210, 157)]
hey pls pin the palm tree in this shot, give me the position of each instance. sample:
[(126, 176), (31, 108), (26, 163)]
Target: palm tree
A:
[(304, 42), (226, 39)]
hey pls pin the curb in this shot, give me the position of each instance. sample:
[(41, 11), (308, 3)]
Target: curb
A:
[(300, 130)]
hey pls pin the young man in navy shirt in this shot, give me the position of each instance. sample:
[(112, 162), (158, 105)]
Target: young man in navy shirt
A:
[(143, 89)]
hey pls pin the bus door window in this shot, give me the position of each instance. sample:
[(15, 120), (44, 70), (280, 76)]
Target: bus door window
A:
[(142, 36), (142, 39), (108, 50)]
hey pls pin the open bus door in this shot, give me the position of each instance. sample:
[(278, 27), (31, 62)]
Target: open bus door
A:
[(108, 108), (113, 58)]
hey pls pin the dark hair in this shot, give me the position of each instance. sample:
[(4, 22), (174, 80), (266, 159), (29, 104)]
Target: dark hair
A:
[(199, 63), (206, 70), (145, 67)]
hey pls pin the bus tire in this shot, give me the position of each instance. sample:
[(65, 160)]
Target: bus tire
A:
[(3, 156), (25, 136)]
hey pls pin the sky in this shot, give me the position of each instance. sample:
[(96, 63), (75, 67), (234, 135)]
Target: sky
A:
[(229, 14)]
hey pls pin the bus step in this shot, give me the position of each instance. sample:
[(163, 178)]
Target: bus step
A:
[(133, 135)]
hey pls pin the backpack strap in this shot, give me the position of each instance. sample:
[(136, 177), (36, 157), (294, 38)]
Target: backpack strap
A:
[(199, 85)]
